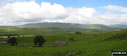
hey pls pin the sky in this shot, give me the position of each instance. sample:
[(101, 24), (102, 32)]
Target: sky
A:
[(19, 12)]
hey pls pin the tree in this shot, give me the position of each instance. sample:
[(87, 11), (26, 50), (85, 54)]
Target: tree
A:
[(12, 41), (78, 32), (39, 41)]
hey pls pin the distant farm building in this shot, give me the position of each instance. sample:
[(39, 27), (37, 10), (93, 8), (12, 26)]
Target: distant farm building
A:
[(61, 43)]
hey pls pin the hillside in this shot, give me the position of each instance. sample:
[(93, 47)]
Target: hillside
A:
[(49, 28), (71, 25), (123, 26)]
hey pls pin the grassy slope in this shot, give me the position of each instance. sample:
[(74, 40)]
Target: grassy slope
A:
[(87, 44), (49, 28)]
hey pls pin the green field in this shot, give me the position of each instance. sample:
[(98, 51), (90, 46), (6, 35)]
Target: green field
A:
[(86, 44)]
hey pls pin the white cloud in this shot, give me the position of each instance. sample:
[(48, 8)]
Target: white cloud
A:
[(116, 8), (78, 15), (20, 12), (30, 12), (110, 19)]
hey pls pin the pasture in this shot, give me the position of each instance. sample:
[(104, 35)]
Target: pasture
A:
[(85, 44)]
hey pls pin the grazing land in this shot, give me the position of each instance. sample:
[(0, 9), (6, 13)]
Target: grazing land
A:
[(88, 43)]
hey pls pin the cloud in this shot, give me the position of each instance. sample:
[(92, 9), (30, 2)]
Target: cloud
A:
[(110, 19), (19, 13), (116, 8), (79, 15), (30, 11)]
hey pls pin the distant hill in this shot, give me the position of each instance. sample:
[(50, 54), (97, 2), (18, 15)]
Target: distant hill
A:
[(49, 28), (70, 25), (53, 24), (123, 26), (62, 27)]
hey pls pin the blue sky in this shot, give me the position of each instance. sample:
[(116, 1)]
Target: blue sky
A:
[(86, 3)]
